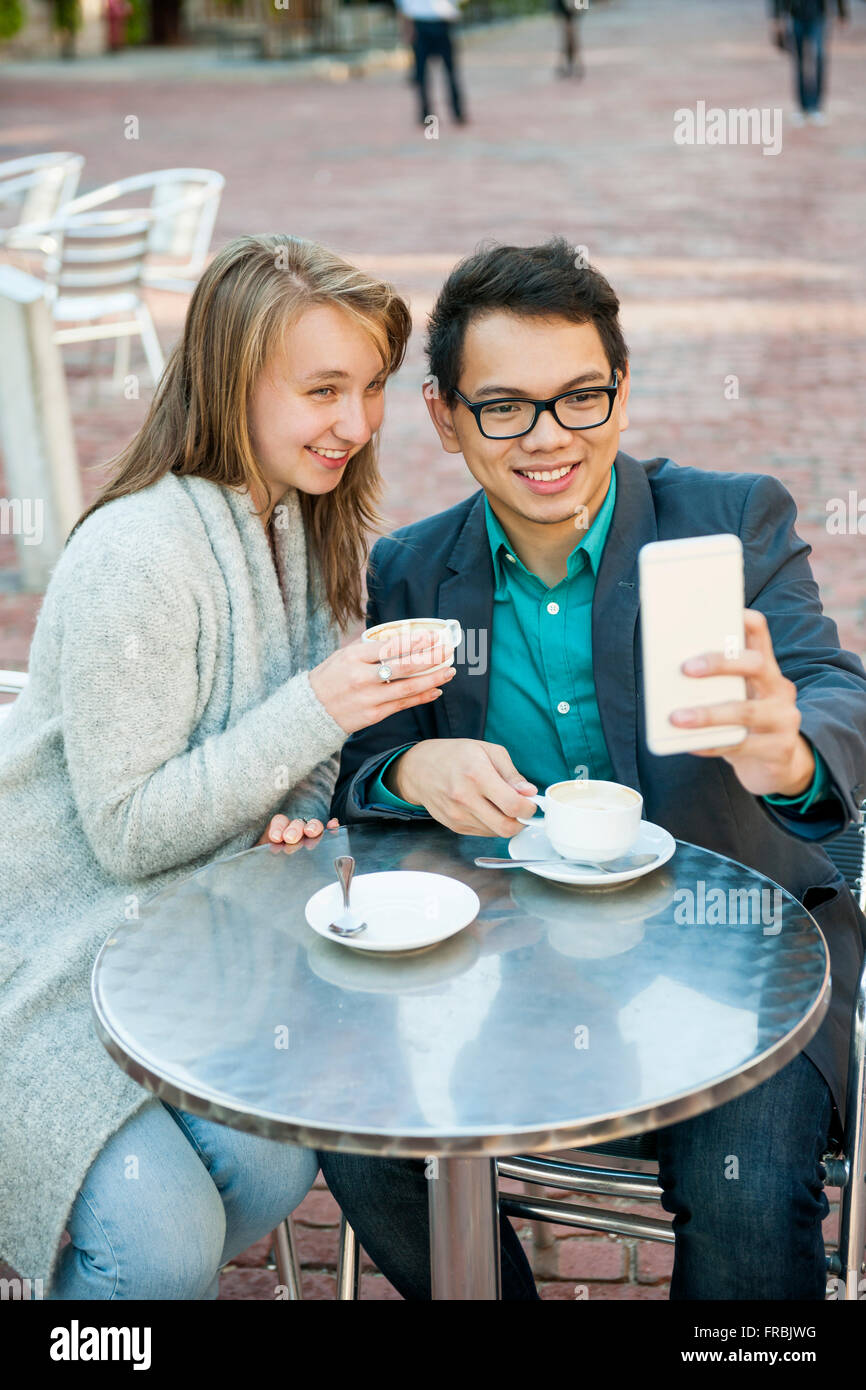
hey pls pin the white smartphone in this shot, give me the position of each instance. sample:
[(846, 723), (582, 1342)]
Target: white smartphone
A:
[(691, 601)]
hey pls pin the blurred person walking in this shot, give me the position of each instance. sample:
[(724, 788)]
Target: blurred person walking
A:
[(800, 26), (429, 22), (569, 12)]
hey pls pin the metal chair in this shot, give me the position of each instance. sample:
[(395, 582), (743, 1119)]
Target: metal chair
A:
[(95, 272), (38, 188), (182, 210), (286, 1259), (844, 1169)]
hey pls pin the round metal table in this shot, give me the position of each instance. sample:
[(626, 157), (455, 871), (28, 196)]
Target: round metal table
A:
[(562, 1017)]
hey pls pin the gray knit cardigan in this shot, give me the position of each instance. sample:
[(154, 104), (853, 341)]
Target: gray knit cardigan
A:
[(168, 715)]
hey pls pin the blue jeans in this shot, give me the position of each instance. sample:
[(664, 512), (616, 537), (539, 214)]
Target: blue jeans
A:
[(809, 56), (743, 1182), (169, 1200)]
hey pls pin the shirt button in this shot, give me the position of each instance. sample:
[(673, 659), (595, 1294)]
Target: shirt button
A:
[(511, 558), (553, 608), (563, 707)]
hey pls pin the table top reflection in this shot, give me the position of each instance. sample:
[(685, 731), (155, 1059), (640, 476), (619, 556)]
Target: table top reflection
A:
[(561, 1017)]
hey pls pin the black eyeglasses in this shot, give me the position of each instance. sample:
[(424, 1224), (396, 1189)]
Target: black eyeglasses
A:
[(508, 418)]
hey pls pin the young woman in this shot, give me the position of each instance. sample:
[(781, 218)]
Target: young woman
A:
[(187, 700)]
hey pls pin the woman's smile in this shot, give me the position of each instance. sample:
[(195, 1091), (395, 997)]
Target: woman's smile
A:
[(329, 458)]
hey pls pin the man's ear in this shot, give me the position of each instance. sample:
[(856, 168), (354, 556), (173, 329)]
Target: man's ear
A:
[(442, 417), (622, 397)]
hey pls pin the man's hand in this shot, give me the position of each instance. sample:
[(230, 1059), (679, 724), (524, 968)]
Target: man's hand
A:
[(774, 759), (471, 787)]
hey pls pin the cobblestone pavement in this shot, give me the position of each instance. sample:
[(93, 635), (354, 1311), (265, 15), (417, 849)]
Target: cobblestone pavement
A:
[(740, 272)]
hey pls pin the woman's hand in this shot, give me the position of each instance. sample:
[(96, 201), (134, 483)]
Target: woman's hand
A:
[(285, 832), (347, 683)]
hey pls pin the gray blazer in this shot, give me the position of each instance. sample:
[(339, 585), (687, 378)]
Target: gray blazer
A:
[(442, 566)]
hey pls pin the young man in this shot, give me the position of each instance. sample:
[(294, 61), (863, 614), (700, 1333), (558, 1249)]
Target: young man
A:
[(531, 384)]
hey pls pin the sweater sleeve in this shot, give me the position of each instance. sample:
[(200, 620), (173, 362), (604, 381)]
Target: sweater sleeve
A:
[(149, 799), (311, 798)]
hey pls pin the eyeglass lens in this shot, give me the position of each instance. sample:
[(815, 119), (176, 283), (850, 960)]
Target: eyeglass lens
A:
[(581, 410)]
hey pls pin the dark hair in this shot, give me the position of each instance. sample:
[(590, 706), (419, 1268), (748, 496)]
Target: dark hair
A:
[(546, 281)]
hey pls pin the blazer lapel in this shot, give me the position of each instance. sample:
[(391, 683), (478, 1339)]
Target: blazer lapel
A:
[(614, 615), (467, 594)]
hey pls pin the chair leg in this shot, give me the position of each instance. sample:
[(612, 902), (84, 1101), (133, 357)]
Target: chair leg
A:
[(93, 392), (543, 1240), (121, 362), (286, 1257), (852, 1207), (349, 1266), (150, 342)]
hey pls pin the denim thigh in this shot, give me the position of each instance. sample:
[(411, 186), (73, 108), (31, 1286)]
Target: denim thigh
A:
[(745, 1185), (170, 1199)]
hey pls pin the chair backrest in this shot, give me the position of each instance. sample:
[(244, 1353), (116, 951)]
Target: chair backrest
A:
[(40, 185), (848, 853), (183, 203), (187, 210), (99, 253)]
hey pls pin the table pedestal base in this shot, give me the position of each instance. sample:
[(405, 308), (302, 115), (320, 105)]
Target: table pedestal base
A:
[(464, 1229)]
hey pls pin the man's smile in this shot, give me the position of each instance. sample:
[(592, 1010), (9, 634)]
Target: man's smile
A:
[(544, 480)]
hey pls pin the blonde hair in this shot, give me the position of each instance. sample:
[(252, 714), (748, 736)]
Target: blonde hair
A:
[(251, 292)]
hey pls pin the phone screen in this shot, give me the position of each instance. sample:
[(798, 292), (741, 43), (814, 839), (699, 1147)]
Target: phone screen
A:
[(691, 602)]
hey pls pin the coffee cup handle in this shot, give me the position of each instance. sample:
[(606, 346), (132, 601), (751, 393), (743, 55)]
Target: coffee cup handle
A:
[(454, 631), (536, 820)]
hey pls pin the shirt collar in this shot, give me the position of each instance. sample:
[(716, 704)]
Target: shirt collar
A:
[(591, 545)]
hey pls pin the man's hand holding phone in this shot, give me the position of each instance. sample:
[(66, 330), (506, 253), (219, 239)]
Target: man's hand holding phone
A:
[(774, 759)]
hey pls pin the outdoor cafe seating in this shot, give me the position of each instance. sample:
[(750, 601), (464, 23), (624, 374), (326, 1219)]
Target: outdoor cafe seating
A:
[(844, 1168)]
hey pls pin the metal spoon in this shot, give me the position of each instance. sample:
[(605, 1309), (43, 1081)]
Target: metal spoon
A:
[(345, 866), (612, 866)]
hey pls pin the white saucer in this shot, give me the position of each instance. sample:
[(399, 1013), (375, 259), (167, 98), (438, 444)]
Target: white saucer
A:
[(532, 843), (405, 910)]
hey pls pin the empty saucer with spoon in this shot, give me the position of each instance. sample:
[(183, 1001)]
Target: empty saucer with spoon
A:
[(395, 910)]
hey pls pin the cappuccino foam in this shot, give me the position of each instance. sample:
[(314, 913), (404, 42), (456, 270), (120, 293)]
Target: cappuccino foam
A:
[(593, 799)]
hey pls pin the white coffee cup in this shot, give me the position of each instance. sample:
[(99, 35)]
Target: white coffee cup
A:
[(447, 628), (589, 819)]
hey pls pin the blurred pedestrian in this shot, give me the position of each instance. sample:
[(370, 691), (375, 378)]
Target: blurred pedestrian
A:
[(569, 13), (430, 22), (800, 26)]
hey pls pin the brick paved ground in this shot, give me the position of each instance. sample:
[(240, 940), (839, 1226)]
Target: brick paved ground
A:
[(729, 263)]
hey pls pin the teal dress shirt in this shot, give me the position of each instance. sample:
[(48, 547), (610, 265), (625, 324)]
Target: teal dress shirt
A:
[(541, 704)]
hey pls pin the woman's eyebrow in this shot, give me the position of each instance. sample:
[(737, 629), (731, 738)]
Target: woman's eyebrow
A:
[(329, 373), (584, 379), (336, 375)]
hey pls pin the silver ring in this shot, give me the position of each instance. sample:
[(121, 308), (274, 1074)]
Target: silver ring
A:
[(385, 671)]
